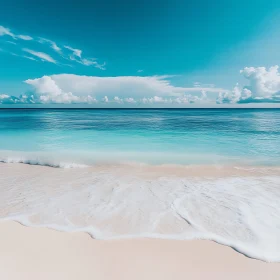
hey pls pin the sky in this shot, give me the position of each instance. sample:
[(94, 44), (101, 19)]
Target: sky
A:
[(152, 53)]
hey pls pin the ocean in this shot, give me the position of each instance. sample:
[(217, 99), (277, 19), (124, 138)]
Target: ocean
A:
[(162, 173), (154, 136)]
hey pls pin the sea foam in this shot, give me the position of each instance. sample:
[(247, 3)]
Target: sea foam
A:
[(40, 160), (241, 212)]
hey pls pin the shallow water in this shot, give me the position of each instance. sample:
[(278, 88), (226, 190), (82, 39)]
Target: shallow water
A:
[(206, 136)]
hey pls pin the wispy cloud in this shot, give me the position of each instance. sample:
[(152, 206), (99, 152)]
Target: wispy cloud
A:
[(52, 44), (11, 42), (15, 54), (6, 31), (75, 52), (76, 55), (29, 57), (41, 55), (25, 37), (92, 61), (63, 54)]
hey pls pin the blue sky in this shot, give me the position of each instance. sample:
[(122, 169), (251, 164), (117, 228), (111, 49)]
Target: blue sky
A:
[(148, 53)]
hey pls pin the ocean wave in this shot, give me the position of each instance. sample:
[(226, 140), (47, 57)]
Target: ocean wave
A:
[(43, 163)]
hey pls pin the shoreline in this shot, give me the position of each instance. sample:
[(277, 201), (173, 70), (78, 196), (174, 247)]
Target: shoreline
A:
[(156, 170), (28, 253), (161, 202)]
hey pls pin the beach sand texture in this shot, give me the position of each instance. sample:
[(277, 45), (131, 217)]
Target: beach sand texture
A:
[(38, 253)]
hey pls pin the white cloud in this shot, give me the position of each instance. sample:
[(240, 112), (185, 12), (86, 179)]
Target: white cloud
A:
[(91, 61), (76, 55), (264, 86), (263, 83), (233, 96), (29, 57), (24, 56), (47, 91), (118, 100), (25, 37), (157, 99), (203, 94), (66, 88), (105, 99), (52, 44), (66, 53), (6, 31), (123, 86), (189, 98), (4, 96), (10, 42), (41, 55), (75, 52), (129, 100), (89, 99), (7, 99)]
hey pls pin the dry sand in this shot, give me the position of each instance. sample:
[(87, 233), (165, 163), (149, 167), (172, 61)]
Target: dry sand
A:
[(39, 253)]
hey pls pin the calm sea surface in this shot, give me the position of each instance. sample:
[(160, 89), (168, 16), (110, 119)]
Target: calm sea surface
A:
[(156, 136)]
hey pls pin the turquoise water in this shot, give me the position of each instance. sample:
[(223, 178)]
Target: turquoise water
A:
[(196, 136)]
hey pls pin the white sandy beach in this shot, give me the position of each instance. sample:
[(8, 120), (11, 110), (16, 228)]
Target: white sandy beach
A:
[(117, 201), (38, 253), (238, 207)]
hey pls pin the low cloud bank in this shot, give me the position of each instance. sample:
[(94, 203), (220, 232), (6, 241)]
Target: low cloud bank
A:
[(70, 89), (263, 87)]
